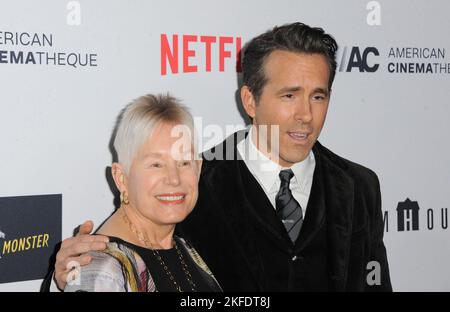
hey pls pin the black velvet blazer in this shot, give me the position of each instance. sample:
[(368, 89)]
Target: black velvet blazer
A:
[(342, 231)]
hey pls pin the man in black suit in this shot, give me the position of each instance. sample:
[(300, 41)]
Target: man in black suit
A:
[(277, 211)]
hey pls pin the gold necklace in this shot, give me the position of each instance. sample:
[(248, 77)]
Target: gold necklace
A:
[(144, 239)]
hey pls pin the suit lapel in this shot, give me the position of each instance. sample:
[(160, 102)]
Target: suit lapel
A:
[(262, 210), (239, 217), (315, 215), (338, 198)]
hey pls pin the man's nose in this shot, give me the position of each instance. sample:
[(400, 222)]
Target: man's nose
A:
[(303, 111)]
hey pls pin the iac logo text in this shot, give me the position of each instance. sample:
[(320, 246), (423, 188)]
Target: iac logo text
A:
[(358, 59)]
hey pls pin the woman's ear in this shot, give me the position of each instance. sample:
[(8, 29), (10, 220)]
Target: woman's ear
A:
[(119, 177), (199, 166)]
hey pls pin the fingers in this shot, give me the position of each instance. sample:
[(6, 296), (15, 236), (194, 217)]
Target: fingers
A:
[(83, 247), (87, 238), (75, 249), (86, 228), (74, 246), (74, 255), (62, 276)]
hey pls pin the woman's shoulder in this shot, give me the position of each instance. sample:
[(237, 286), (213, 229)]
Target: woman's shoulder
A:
[(116, 268), (103, 273), (125, 254)]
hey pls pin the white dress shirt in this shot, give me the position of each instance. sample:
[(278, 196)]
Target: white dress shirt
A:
[(266, 172)]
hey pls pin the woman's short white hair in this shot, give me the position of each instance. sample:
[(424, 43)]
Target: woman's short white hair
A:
[(138, 119)]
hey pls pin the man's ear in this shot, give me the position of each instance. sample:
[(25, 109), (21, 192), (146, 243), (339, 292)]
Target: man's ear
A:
[(119, 176), (248, 101)]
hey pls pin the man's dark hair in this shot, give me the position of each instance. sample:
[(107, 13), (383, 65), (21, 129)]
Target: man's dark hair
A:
[(295, 37)]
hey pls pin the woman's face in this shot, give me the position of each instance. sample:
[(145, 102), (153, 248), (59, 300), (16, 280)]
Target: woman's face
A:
[(162, 183)]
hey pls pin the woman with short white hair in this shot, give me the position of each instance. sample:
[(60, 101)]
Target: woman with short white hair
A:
[(157, 173)]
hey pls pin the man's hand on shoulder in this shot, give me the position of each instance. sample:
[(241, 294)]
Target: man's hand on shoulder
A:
[(74, 250)]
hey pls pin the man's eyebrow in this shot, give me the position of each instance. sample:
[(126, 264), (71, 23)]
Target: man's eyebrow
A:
[(322, 90), (289, 89), (298, 88)]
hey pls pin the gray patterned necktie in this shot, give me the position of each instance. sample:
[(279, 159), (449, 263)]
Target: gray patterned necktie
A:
[(288, 209)]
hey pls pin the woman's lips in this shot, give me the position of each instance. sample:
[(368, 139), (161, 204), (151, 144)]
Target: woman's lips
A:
[(171, 199)]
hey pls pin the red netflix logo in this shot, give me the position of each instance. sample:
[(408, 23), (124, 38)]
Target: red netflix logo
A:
[(222, 45)]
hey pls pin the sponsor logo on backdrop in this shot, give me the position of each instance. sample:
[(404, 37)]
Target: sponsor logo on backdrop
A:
[(394, 60), (408, 214), (25, 243), (410, 217), (199, 53), (28, 48), (30, 228), (361, 59)]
